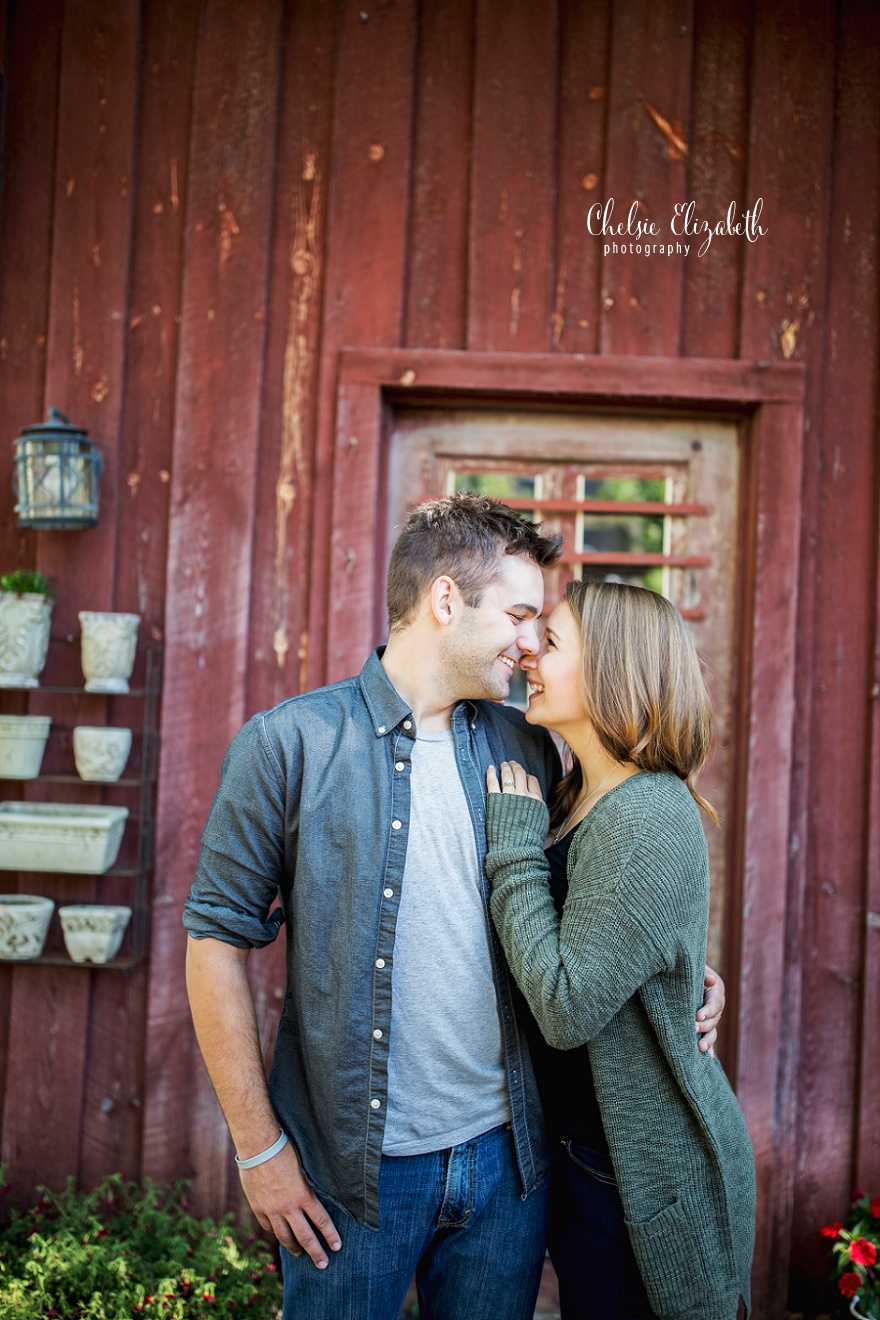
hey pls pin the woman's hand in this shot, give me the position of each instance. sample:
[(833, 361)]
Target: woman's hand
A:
[(709, 1015), (514, 779)]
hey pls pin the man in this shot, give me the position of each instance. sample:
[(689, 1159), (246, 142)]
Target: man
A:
[(401, 1073)]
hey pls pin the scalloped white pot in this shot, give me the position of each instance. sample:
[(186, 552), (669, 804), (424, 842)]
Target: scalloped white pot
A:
[(24, 924), (24, 638), (108, 645), (22, 743), (100, 753), (93, 931)]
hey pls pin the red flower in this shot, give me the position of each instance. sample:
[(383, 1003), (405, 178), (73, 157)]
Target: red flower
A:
[(874, 1206), (863, 1252), (831, 1230), (208, 1297), (849, 1284)]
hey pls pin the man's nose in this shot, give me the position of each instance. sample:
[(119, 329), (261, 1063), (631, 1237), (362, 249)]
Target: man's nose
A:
[(527, 639)]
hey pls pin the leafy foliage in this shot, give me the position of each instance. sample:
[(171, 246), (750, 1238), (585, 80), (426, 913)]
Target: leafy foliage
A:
[(25, 581), (130, 1252), (856, 1250)]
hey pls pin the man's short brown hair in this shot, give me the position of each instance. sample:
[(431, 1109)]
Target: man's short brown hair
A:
[(463, 537)]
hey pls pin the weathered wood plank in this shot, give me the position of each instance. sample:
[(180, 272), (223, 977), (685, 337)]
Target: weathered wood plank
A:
[(227, 231), (357, 515), (639, 379), (31, 68), (284, 491), (436, 284), (285, 474), (791, 117), (584, 35), (717, 173), (772, 594), (90, 263), (88, 286), (30, 123), (838, 1142), (41, 1139), (513, 177), (647, 149), (366, 238), (113, 1100), (152, 325)]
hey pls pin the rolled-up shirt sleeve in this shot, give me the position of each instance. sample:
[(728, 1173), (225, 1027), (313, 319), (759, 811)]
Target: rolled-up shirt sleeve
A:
[(242, 857)]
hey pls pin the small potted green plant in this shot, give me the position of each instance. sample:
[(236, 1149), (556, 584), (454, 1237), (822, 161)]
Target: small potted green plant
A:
[(25, 609), (856, 1250)]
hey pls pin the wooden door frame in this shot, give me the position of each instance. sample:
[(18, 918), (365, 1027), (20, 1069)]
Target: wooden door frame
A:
[(768, 400)]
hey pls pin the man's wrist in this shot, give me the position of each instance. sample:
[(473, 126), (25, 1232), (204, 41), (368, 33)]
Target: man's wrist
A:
[(269, 1153)]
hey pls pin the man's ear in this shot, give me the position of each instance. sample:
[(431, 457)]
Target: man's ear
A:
[(445, 600)]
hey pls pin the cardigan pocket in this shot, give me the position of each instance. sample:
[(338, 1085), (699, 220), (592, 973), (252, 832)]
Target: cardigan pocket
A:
[(668, 1249)]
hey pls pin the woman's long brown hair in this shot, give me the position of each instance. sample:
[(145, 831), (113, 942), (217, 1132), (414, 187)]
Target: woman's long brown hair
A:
[(642, 686)]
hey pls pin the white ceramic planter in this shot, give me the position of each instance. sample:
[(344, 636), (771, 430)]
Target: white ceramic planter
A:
[(108, 646), (22, 743), (50, 836), (24, 638), (24, 924), (100, 753), (93, 931)]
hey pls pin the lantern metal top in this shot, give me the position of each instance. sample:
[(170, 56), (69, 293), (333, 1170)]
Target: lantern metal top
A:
[(56, 475)]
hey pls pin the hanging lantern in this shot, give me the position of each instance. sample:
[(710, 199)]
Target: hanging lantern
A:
[(56, 475)]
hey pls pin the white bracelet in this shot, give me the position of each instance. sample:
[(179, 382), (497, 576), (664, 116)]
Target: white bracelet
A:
[(265, 1155)]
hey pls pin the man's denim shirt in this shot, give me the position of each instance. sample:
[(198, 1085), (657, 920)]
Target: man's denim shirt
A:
[(314, 807)]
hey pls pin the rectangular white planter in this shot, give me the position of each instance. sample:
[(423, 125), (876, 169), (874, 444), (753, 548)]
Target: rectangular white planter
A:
[(52, 836)]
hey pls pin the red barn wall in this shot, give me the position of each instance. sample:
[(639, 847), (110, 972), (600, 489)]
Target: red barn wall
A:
[(203, 202)]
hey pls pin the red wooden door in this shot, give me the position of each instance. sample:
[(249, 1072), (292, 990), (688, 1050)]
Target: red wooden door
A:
[(638, 499)]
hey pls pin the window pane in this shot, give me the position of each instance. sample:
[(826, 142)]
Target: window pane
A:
[(631, 532), (625, 488), (652, 578), (497, 485)]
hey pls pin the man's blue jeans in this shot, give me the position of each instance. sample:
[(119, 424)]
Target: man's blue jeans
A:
[(456, 1219)]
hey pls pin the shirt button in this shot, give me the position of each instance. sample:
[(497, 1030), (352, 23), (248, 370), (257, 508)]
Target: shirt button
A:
[(377, 1035), (399, 765), (374, 1104), (395, 824), (389, 893), (380, 962), (407, 724), (381, 728)]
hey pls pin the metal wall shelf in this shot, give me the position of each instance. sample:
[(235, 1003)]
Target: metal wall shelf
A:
[(135, 944)]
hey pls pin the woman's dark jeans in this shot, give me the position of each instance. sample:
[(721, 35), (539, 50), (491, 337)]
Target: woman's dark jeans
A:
[(589, 1244)]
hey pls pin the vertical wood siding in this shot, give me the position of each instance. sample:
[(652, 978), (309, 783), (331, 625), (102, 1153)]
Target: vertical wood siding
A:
[(202, 204)]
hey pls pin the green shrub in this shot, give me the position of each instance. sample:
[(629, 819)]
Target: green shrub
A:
[(130, 1252), (26, 581)]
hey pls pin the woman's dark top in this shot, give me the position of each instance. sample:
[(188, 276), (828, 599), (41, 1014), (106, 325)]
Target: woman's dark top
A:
[(565, 1077)]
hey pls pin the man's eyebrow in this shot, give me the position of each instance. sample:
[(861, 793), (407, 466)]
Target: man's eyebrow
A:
[(527, 609)]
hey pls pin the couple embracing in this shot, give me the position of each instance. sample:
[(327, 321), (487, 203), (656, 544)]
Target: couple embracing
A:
[(493, 970)]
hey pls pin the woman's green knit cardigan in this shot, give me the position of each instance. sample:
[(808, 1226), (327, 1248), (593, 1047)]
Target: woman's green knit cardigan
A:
[(622, 969)]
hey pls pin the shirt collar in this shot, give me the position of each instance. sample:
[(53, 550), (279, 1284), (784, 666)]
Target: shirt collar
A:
[(386, 706)]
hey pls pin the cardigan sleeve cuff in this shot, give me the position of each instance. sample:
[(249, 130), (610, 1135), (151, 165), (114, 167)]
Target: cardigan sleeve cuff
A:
[(515, 821)]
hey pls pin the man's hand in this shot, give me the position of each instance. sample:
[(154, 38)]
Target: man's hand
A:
[(709, 1015), (283, 1203)]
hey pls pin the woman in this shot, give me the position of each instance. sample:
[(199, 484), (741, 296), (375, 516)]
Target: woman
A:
[(654, 1190)]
